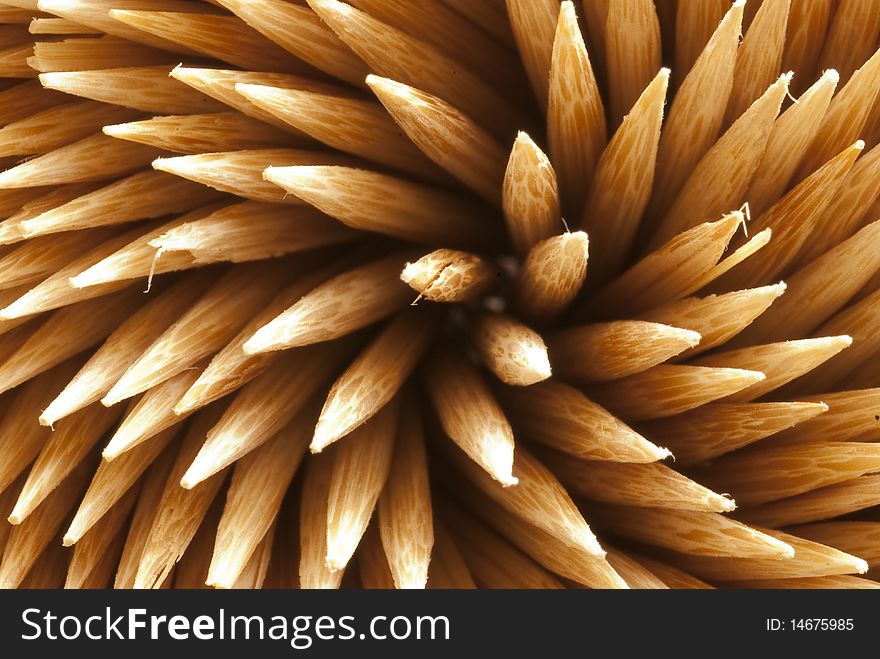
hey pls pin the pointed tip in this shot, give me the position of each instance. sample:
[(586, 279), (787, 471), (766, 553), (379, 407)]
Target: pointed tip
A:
[(660, 452), (536, 367), (724, 503), (831, 75), (186, 404), (115, 130), (46, 79), (688, 337), (579, 237), (59, 408), (20, 308), (385, 87), (591, 545), (334, 564), (200, 470), (323, 436), (723, 229), (171, 165), (111, 398), (188, 482), (83, 279), (567, 12), (266, 339), (10, 178), (251, 91), (539, 366), (655, 92), (410, 272), (414, 583), (506, 480), (17, 516), (340, 550), (253, 345), (51, 6), (123, 14), (69, 539)]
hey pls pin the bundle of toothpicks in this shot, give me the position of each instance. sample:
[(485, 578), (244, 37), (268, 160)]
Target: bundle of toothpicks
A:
[(445, 294)]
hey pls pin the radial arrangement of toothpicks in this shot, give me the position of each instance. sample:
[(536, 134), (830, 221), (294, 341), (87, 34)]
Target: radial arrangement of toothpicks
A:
[(445, 294)]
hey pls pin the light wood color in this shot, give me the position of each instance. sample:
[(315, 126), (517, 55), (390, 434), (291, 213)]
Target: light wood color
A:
[(610, 351), (375, 376), (563, 418), (191, 134), (368, 132), (446, 135), (514, 352), (298, 30), (393, 54), (576, 130), (222, 37), (825, 503), (621, 187), (551, 276), (693, 533), (93, 158), (220, 84), (144, 88), (448, 275), (720, 179), (718, 428), (241, 172), (469, 414), (666, 390), (529, 195), (632, 52), (761, 474), (405, 507), (253, 500), (759, 57), (266, 405), (344, 304), (176, 513), (792, 134), (697, 112), (111, 481), (375, 202), (360, 469)]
